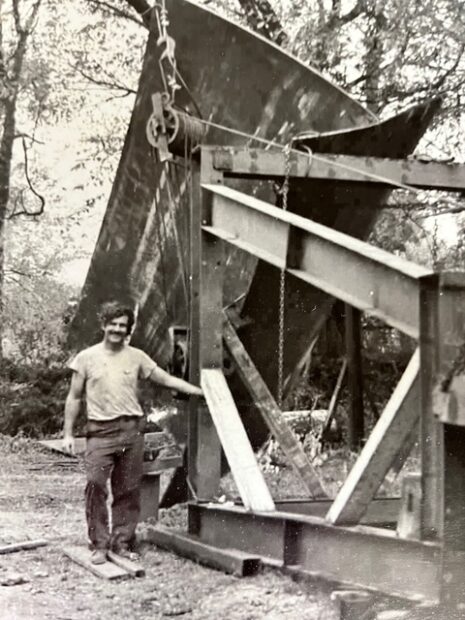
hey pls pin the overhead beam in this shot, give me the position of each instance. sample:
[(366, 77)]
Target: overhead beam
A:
[(370, 279), (266, 404), (236, 445), (393, 428), (258, 163)]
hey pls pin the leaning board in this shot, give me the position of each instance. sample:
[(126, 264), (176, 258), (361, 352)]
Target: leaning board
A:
[(236, 445)]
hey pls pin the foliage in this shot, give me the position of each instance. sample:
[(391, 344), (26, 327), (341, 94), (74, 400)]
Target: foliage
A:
[(32, 399)]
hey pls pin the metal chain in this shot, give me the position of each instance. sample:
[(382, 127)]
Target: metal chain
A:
[(435, 245), (282, 279)]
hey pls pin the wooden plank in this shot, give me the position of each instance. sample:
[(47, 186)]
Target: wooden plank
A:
[(232, 561), (161, 464), (392, 429), (405, 451), (370, 279), (241, 458), (82, 555), (266, 404), (257, 163), (334, 399), (132, 568), (22, 546), (356, 426), (56, 445)]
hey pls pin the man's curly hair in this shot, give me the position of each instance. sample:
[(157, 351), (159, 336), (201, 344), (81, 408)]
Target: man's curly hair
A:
[(114, 309)]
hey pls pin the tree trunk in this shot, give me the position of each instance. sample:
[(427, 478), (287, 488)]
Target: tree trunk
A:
[(6, 155)]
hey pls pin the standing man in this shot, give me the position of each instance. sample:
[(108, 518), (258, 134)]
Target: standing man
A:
[(107, 375)]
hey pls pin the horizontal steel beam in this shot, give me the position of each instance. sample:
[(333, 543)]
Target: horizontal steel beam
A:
[(361, 556), (376, 282), (258, 163), (381, 512)]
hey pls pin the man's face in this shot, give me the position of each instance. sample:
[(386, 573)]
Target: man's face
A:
[(116, 330)]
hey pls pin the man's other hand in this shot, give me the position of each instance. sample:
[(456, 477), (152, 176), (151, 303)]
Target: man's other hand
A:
[(68, 444)]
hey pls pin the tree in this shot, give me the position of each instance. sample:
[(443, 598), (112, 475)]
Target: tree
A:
[(12, 59)]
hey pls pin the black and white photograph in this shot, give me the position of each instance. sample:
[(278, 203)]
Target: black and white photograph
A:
[(232, 309)]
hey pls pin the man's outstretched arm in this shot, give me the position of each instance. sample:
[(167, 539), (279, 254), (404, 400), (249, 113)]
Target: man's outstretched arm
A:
[(161, 377), (72, 408)]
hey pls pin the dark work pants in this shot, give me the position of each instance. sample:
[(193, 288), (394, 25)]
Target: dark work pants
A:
[(114, 451)]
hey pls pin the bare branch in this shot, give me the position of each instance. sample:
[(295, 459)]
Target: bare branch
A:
[(110, 8), (16, 16), (28, 137), (107, 84), (41, 199), (456, 209), (32, 20), (17, 272), (340, 20)]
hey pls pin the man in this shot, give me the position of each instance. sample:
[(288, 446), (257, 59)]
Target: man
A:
[(107, 374)]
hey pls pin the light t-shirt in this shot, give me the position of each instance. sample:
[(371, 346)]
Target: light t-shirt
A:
[(111, 380)]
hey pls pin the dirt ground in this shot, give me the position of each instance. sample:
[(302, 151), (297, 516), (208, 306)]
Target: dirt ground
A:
[(41, 496)]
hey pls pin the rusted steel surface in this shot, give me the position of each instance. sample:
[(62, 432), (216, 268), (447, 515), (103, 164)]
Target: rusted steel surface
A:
[(236, 79)]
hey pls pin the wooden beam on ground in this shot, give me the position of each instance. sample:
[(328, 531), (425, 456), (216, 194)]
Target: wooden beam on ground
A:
[(133, 568), (232, 561), (368, 278), (356, 419), (258, 163), (392, 429), (266, 404), (236, 445), (22, 546), (82, 556)]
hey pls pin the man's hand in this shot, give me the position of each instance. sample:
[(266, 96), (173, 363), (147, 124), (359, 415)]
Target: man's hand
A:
[(68, 444)]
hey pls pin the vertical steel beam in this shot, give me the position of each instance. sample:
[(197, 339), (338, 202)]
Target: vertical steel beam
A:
[(355, 376), (452, 338), (206, 282), (431, 431)]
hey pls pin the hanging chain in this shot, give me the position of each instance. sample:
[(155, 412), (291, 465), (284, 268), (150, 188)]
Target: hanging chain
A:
[(282, 278), (435, 244)]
